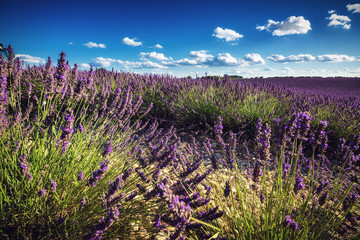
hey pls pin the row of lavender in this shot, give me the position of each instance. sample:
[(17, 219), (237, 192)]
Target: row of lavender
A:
[(59, 124)]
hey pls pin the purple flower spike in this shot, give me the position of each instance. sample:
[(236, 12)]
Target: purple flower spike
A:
[(42, 192), (299, 184), (257, 171), (262, 198), (107, 149), (80, 177), (288, 222), (53, 185), (83, 201), (24, 165)]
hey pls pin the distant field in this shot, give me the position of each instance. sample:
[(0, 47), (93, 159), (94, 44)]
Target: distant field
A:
[(337, 86)]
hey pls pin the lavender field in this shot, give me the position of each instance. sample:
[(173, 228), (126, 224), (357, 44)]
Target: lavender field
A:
[(105, 154), (336, 86)]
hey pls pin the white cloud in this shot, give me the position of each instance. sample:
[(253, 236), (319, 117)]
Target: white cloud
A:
[(339, 20), (85, 65), (227, 34), (102, 62), (149, 64), (354, 7), (254, 58), (331, 11), (335, 58), (70, 43), (201, 56), (30, 59), (301, 58), (158, 46), (292, 25), (225, 59), (94, 45), (107, 62), (186, 62), (154, 55), (131, 42)]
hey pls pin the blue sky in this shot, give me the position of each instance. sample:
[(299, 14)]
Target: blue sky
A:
[(181, 37)]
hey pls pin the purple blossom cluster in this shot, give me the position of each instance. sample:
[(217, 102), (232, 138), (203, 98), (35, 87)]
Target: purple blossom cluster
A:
[(67, 130), (60, 75), (98, 174), (3, 102), (262, 137), (290, 223), (299, 184)]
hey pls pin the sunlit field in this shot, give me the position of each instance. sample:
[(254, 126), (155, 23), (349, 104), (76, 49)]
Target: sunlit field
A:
[(117, 155)]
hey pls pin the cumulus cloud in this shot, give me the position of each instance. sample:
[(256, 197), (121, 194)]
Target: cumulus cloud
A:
[(201, 56), (158, 46), (195, 58), (354, 7), (107, 62), (149, 64), (131, 42), (70, 43), (30, 59), (227, 34), (292, 25), (94, 45), (335, 58), (184, 62), (153, 55), (303, 58), (225, 59), (102, 62), (254, 58), (339, 20)]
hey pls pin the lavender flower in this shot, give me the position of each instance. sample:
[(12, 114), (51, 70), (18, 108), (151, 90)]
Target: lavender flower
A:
[(83, 201), (67, 130), (98, 174), (108, 147), (262, 198), (257, 174), (262, 137), (210, 215), (113, 188), (61, 73), (103, 225), (299, 184), (319, 137), (53, 185), (80, 176), (24, 165), (3, 104), (288, 222), (42, 192), (302, 125), (81, 128)]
